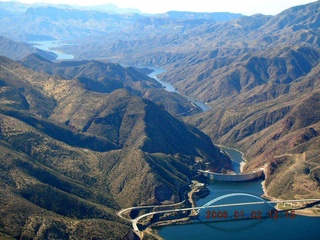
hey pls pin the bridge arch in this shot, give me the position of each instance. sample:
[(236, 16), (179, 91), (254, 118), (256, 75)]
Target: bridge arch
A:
[(232, 195)]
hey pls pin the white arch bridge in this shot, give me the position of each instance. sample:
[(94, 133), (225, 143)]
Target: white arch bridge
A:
[(208, 204)]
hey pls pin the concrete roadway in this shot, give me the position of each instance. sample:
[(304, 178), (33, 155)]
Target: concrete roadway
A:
[(119, 213), (136, 220)]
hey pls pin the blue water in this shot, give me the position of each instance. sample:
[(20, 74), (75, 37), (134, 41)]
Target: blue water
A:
[(48, 45), (250, 227), (170, 88), (283, 228), (167, 86), (236, 157)]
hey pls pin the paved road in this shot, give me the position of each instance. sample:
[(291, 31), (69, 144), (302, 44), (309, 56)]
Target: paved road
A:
[(119, 213), (136, 220)]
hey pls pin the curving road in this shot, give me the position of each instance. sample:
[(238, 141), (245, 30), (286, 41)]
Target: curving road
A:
[(136, 220), (119, 213)]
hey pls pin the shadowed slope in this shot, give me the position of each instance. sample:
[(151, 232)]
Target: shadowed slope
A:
[(71, 156)]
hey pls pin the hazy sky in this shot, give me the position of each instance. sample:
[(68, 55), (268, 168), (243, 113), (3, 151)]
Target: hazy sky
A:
[(247, 7)]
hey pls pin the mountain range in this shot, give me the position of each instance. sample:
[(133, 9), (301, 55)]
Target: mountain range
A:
[(45, 21), (82, 138), (72, 155), (258, 73)]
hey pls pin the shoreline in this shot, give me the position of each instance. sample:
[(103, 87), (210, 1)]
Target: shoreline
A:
[(307, 212), (171, 88), (195, 186), (303, 211), (242, 163)]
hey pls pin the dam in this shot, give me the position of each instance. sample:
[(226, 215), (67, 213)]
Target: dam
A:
[(233, 177)]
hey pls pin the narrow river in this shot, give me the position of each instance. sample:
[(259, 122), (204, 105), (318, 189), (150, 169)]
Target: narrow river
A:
[(247, 225), (170, 88)]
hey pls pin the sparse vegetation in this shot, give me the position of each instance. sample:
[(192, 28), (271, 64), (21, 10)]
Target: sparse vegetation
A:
[(73, 161), (80, 139)]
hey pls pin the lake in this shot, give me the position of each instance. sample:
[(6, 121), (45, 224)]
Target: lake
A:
[(49, 45), (250, 226)]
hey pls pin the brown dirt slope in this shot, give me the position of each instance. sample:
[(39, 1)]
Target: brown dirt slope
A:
[(70, 157)]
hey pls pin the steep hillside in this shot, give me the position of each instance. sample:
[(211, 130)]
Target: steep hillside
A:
[(95, 75), (251, 78), (105, 77), (45, 178), (248, 52), (19, 50), (71, 156), (80, 139), (16, 91), (282, 131), (256, 73)]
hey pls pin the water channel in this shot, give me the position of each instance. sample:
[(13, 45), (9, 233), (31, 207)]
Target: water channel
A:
[(242, 222), (170, 88)]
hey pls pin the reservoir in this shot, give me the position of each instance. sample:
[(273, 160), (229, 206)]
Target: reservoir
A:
[(236, 156), (244, 227)]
